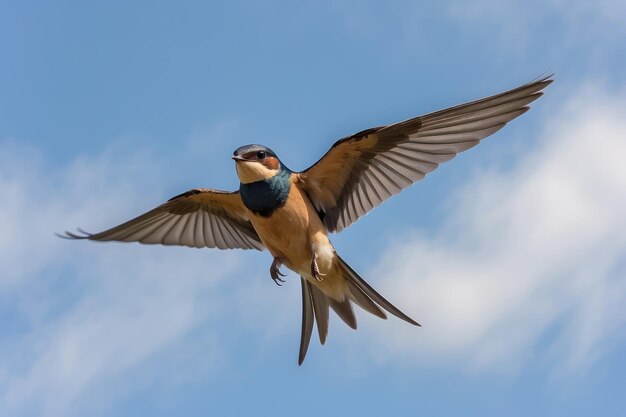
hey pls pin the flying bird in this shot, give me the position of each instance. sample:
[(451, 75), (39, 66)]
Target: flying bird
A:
[(291, 213)]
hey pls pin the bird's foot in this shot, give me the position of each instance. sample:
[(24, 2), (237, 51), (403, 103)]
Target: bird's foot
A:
[(275, 272), (315, 271)]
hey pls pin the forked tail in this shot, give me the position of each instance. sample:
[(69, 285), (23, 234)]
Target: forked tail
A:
[(315, 306)]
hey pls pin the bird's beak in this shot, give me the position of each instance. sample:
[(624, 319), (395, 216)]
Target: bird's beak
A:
[(238, 158)]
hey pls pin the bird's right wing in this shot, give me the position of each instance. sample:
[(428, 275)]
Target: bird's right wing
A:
[(361, 171), (199, 218)]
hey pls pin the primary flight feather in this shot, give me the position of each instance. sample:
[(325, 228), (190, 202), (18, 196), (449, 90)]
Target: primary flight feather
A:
[(291, 213)]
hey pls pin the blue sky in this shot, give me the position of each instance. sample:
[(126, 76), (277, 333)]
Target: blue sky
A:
[(512, 255)]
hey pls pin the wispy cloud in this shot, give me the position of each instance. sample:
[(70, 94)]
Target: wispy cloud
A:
[(530, 263), (604, 11), (522, 21), (88, 313)]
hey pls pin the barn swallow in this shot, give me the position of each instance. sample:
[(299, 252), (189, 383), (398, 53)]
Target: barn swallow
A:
[(291, 213)]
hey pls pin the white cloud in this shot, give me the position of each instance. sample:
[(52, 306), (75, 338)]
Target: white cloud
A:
[(533, 252), (118, 306), (602, 11), (529, 258), (518, 20)]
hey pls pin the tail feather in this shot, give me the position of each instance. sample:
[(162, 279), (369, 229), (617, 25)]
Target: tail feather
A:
[(307, 321), (370, 292), (315, 306), (320, 309), (344, 311), (363, 301)]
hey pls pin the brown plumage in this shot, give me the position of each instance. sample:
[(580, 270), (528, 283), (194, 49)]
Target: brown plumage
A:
[(291, 213)]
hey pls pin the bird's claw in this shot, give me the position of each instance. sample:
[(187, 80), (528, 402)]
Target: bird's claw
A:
[(315, 271), (278, 281), (276, 274)]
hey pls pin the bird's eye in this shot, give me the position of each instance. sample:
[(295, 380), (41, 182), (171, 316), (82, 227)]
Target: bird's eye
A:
[(261, 154)]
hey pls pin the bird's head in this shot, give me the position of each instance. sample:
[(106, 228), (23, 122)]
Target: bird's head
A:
[(256, 163)]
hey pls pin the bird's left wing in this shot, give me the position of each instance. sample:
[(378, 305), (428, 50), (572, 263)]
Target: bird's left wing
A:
[(361, 171), (199, 218)]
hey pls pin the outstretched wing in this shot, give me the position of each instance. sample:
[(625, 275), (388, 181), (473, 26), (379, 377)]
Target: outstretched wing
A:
[(361, 171), (198, 218)]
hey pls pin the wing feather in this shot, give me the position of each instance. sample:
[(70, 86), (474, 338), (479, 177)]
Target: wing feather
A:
[(199, 218), (363, 170)]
